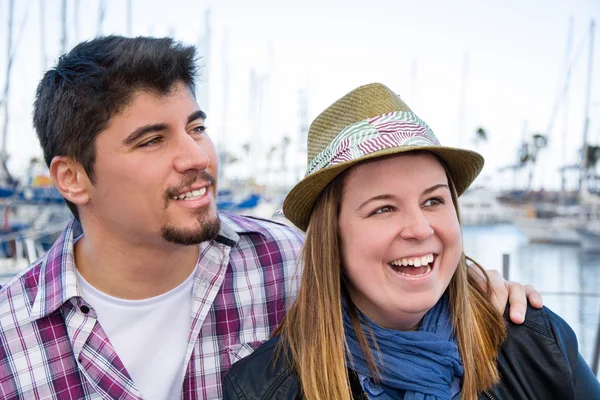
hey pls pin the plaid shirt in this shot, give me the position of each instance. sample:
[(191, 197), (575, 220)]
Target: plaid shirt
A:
[(52, 346)]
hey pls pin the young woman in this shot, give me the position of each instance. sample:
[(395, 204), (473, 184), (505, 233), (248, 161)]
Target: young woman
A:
[(386, 308)]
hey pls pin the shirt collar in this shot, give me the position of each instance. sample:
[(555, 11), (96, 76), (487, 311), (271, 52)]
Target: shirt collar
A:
[(232, 226), (58, 276)]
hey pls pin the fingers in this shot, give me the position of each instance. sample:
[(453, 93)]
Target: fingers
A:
[(518, 297), (518, 301), (534, 297), (502, 291), (499, 290)]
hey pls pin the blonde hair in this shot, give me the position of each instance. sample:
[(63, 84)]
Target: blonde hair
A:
[(313, 329)]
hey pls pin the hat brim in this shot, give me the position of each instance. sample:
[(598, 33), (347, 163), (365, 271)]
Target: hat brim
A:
[(462, 165)]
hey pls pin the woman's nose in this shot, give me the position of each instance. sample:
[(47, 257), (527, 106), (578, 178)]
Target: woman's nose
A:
[(416, 226)]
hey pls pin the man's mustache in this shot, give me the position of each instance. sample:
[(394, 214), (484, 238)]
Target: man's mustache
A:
[(174, 190)]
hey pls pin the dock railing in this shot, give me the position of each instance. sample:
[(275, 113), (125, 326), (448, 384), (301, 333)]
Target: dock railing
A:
[(596, 352), (23, 247)]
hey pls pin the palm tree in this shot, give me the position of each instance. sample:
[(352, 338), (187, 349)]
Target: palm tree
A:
[(481, 135), (591, 162), (528, 154), (593, 156), (539, 141)]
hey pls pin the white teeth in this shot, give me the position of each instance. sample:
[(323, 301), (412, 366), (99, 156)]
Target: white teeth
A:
[(416, 262), (191, 195)]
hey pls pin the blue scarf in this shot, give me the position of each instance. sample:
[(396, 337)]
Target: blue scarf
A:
[(418, 365)]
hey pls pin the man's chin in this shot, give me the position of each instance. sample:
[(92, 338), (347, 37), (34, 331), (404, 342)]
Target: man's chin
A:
[(206, 230)]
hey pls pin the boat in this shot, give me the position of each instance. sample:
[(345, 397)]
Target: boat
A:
[(589, 236), (228, 201), (480, 206), (556, 224), (589, 240), (557, 230)]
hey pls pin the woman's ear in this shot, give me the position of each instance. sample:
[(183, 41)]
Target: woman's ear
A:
[(70, 179)]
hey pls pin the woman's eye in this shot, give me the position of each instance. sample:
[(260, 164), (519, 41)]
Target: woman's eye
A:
[(382, 210), (434, 201)]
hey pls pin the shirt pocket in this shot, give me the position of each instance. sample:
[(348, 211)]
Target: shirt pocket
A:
[(240, 350)]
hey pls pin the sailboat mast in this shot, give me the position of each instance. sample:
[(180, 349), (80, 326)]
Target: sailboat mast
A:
[(101, 16), (565, 129), (462, 101), (413, 85), (9, 58), (63, 21), (586, 125), (129, 18), (76, 20), (43, 35), (224, 145)]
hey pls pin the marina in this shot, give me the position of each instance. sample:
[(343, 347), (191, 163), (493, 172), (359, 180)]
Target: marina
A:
[(567, 277), (548, 233)]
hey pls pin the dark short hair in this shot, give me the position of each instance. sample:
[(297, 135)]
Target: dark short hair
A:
[(98, 79)]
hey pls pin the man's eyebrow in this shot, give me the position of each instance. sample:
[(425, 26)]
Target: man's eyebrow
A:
[(143, 130), (196, 115)]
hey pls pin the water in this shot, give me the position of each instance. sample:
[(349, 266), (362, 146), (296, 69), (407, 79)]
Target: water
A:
[(568, 278)]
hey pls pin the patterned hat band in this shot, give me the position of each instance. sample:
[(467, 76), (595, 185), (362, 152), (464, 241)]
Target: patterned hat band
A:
[(393, 129)]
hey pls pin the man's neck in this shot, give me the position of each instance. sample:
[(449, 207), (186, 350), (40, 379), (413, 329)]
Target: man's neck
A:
[(132, 271)]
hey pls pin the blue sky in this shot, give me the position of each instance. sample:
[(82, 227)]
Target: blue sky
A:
[(513, 53)]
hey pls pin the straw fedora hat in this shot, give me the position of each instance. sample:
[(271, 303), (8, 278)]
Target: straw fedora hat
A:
[(369, 122)]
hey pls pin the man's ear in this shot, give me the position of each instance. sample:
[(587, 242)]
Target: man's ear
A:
[(70, 179)]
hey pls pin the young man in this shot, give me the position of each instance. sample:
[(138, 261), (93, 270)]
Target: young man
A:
[(149, 292)]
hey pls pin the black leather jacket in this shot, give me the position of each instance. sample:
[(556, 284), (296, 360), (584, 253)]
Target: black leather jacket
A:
[(539, 360)]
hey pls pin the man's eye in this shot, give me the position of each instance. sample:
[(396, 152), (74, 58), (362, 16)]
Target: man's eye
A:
[(151, 142), (199, 129)]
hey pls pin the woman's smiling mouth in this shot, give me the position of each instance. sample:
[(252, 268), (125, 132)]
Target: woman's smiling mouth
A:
[(414, 267)]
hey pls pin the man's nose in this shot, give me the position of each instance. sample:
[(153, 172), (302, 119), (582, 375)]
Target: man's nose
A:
[(190, 156)]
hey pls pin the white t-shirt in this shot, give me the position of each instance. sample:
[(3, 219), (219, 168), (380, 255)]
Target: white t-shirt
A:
[(150, 336)]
